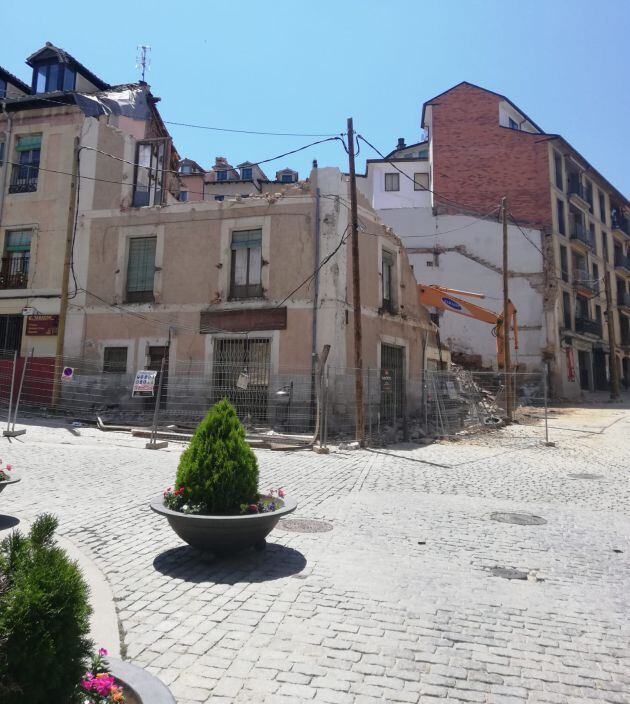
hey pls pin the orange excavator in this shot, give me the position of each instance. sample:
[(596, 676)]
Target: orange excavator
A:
[(449, 299)]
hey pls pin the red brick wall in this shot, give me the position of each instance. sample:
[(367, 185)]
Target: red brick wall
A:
[(476, 161)]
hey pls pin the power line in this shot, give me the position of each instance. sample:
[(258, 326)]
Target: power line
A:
[(257, 132)]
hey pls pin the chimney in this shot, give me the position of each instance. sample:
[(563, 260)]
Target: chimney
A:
[(401, 143)]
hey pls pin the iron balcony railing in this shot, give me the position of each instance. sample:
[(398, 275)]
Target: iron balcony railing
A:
[(14, 272), (623, 299), (575, 188), (588, 326), (622, 262), (620, 223), (580, 234), (23, 179), (585, 282)]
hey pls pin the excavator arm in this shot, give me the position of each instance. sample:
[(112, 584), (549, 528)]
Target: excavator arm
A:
[(449, 299)]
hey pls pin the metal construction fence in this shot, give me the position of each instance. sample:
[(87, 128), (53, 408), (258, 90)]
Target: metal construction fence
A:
[(298, 404)]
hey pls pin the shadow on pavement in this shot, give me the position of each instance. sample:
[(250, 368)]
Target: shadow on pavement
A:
[(7, 522), (190, 565)]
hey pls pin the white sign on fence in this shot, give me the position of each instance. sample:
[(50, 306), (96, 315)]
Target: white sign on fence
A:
[(243, 381), (144, 383)]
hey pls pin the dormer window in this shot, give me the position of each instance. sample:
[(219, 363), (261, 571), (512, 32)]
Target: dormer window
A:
[(222, 175), (186, 169), (286, 178), (512, 124), (246, 174), (53, 76)]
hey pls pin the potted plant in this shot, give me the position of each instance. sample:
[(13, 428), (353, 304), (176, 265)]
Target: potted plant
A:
[(5, 476), (215, 503)]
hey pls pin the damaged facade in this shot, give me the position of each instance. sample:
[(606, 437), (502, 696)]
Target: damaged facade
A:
[(241, 270), (572, 232)]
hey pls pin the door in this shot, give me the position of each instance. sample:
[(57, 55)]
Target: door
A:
[(392, 383), (599, 370), (240, 373), (583, 362), (156, 355)]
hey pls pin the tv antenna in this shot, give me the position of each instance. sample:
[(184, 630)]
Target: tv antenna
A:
[(143, 60)]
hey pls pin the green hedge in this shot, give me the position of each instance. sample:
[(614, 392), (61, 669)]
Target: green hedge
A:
[(44, 619)]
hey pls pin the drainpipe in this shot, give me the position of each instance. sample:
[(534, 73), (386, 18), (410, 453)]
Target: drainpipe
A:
[(5, 165), (314, 390)]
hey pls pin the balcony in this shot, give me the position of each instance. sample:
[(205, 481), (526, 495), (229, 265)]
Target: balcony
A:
[(623, 300), (580, 236), (622, 263), (14, 272), (23, 179), (618, 222), (577, 192), (585, 284), (586, 326)]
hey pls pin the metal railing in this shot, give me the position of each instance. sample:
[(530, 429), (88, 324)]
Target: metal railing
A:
[(14, 272), (582, 280), (580, 234), (622, 262), (588, 326), (575, 188), (23, 178), (618, 222)]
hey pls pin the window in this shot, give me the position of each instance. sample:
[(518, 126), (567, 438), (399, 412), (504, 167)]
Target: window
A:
[(183, 196), (564, 263), (604, 246), (557, 162), (560, 208), (392, 182), (15, 259), (388, 274), (598, 313), (219, 198), (246, 264), (53, 76), (246, 174), (10, 333), (222, 175), (512, 124), (566, 310), (286, 178), (3, 88), (591, 235), (141, 270), (186, 169), (150, 159), (25, 173), (420, 182), (115, 360), (602, 207), (581, 307), (596, 277), (589, 195)]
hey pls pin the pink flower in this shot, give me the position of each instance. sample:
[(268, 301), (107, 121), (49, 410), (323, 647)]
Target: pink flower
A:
[(281, 493), (102, 652)]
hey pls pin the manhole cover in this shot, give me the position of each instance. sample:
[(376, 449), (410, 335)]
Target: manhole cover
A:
[(508, 573), (304, 525), (521, 519), (585, 475)]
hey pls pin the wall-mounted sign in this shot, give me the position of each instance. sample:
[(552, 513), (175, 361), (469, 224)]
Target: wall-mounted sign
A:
[(144, 383), (67, 374), (42, 325)]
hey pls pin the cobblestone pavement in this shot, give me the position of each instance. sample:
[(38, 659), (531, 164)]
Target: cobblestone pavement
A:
[(400, 601)]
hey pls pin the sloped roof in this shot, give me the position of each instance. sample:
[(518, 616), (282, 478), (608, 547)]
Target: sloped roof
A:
[(10, 78)]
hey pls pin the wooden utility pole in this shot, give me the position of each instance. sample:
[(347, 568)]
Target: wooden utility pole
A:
[(506, 315), (356, 293), (63, 304), (612, 341)]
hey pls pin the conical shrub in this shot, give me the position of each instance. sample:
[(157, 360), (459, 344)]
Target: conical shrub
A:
[(218, 470)]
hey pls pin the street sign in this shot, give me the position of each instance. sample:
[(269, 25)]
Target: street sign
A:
[(42, 325), (67, 374), (144, 383)]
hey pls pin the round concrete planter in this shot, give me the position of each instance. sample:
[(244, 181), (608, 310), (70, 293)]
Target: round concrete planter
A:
[(224, 534), (139, 686), (7, 482)]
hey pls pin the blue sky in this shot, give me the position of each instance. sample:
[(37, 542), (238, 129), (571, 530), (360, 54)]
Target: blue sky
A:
[(293, 67)]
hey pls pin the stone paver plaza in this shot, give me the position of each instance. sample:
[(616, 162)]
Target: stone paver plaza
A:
[(399, 602)]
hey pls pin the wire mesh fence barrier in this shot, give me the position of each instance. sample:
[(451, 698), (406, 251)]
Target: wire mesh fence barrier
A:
[(297, 403)]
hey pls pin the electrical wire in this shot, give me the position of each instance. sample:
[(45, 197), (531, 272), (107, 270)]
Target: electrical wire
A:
[(256, 132)]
